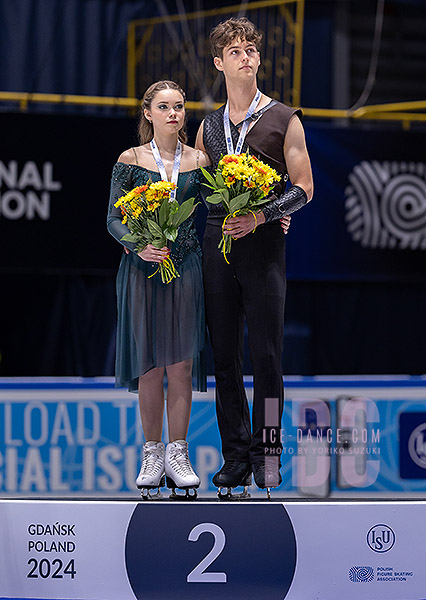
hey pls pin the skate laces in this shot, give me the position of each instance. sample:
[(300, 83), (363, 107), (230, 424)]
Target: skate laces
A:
[(179, 461), (152, 461)]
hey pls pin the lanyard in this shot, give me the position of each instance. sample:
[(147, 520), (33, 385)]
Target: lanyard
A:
[(160, 165), (243, 132)]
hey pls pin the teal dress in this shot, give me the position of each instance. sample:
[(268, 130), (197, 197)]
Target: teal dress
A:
[(158, 324)]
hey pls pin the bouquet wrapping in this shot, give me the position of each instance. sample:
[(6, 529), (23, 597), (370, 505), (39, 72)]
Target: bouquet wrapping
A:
[(153, 219), (241, 183)]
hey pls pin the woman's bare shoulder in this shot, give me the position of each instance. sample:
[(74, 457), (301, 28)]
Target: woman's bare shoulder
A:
[(127, 157), (133, 156)]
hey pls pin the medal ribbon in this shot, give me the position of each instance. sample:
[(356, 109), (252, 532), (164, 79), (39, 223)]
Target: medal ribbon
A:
[(244, 128), (160, 165)]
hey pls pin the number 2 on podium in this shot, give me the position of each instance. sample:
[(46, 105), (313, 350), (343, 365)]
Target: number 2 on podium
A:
[(198, 575)]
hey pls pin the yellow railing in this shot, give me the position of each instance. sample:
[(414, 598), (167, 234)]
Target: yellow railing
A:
[(391, 111), (26, 98), (395, 111)]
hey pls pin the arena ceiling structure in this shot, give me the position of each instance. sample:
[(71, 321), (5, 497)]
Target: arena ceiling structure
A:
[(177, 47), (338, 59)]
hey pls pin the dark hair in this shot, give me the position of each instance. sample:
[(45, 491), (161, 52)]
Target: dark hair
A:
[(224, 33), (145, 127)]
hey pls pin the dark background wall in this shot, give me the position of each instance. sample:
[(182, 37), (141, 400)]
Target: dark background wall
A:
[(350, 308)]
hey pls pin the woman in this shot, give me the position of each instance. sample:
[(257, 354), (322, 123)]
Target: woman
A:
[(161, 327)]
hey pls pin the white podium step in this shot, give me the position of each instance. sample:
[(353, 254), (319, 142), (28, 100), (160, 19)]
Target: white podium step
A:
[(292, 550)]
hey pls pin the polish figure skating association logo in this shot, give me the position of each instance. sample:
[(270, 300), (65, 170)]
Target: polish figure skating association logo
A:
[(361, 574), (386, 205)]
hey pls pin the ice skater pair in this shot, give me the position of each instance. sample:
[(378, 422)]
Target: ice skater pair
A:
[(251, 288)]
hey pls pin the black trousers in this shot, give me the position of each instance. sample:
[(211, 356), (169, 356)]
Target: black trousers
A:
[(252, 288)]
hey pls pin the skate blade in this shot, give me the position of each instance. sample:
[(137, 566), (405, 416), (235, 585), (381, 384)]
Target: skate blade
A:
[(268, 490), (228, 495), (187, 496), (146, 494), (146, 490)]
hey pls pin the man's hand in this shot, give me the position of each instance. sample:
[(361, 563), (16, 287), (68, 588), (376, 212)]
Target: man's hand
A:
[(240, 226)]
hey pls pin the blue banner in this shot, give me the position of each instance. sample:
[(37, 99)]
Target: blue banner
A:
[(85, 439)]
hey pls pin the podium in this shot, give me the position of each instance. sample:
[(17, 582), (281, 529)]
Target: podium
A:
[(155, 550)]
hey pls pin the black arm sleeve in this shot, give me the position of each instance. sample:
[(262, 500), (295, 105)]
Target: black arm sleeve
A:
[(286, 204)]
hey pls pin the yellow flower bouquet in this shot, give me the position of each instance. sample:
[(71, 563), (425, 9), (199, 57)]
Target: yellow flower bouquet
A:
[(152, 218), (241, 183)]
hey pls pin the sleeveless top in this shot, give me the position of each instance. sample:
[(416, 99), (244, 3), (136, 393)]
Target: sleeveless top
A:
[(265, 140)]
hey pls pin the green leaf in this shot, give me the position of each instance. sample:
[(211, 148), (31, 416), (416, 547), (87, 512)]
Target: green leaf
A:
[(171, 233), (163, 213), (225, 193), (215, 198), (174, 207), (261, 201), (159, 242), (208, 177), (130, 237), (154, 229), (226, 205), (239, 202), (219, 179), (185, 209)]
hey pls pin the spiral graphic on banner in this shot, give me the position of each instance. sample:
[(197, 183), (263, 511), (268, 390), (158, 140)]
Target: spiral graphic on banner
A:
[(386, 205), (361, 574)]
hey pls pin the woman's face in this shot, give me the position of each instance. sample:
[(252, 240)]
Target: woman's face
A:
[(167, 111)]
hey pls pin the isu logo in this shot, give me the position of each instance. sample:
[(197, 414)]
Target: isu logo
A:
[(381, 538), (417, 446), (386, 205)]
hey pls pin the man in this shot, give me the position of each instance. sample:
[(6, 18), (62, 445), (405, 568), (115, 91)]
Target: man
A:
[(253, 285)]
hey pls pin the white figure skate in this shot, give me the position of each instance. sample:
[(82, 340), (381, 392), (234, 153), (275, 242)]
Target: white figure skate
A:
[(151, 475), (179, 471)]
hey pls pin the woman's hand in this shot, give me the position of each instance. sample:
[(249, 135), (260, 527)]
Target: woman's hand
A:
[(152, 254), (285, 223)]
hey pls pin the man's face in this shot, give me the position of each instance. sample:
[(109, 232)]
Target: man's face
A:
[(240, 60)]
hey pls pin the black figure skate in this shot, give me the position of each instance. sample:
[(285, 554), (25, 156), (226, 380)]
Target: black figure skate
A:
[(267, 475), (234, 473)]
